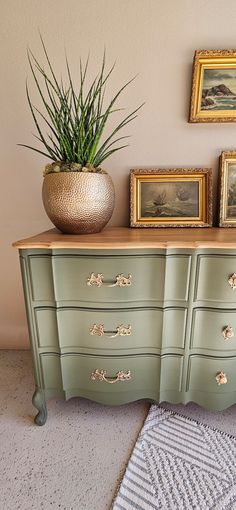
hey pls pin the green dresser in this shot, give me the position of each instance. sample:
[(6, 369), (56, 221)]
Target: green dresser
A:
[(131, 314)]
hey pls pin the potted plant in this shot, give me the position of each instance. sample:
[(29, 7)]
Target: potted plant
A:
[(78, 195)]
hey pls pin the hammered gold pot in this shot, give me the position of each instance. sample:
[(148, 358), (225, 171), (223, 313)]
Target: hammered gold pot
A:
[(78, 202)]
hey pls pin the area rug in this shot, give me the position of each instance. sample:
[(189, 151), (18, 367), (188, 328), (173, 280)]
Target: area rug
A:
[(179, 464)]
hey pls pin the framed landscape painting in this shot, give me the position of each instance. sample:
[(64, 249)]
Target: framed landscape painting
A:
[(178, 197), (213, 96), (228, 189)]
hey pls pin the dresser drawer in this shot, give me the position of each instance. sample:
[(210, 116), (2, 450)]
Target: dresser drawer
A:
[(203, 372), (97, 279), (71, 276), (77, 372), (214, 329), (213, 273), (109, 380), (141, 373), (145, 373), (114, 329), (110, 329)]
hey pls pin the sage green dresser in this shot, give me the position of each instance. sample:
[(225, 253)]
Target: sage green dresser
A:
[(132, 314)]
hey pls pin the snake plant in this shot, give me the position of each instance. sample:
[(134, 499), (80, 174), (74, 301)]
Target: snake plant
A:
[(75, 120)]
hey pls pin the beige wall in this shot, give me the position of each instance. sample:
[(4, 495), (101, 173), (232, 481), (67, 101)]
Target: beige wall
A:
[(154, 38)]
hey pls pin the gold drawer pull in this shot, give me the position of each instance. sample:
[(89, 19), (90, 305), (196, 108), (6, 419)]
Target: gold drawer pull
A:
[(98, 330), (232, 281), (96, 280), (120, 281), (221, 378), (228, 332), (100, 375)]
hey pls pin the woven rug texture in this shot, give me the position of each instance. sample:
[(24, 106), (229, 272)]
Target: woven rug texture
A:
[(179, 464)]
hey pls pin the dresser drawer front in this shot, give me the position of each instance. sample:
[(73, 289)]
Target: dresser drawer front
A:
[(203, 372), (145, 328), (144, 376), (77, 371), (71, 328), (64, 278), (115, 329), (71, 275), (209, 330), (146, 373), (213, 275)]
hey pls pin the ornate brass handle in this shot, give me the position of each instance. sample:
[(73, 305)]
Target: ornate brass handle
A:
[(120, 281), (98, 330), (100, 375), (96, 280), (232, 281), (228, 332), (221, 378)]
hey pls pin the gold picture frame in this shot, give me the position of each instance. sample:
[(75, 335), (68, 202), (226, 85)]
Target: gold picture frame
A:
[(177, 197), (213, 96), (227, 184)]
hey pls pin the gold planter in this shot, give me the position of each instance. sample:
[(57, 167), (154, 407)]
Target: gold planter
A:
[(78, 202)]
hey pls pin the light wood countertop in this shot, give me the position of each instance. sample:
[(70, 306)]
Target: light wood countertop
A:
[(128, 238)]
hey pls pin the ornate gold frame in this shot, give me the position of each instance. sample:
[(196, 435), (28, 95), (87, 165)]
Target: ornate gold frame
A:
[(225, 158), (201, 175), (209, 59)]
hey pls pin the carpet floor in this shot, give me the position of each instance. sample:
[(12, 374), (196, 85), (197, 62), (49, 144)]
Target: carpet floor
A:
[(76, 460)]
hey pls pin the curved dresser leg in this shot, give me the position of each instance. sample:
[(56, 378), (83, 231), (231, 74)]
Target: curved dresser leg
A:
[(38, 401)]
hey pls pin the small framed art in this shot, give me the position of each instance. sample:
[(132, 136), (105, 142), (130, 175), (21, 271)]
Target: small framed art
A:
[(227, 189), (213, 96), (177, 197)]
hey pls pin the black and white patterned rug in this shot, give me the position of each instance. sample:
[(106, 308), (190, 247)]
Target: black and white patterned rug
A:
[(179, 464)]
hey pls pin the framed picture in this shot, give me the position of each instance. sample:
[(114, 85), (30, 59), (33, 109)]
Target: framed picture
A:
[(228, 189), (178, 197), (213, 86)]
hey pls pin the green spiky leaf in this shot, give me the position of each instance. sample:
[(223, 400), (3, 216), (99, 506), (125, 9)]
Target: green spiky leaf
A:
[(76, 118)]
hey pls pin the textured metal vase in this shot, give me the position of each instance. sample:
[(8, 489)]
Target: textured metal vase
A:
[(78, 202)]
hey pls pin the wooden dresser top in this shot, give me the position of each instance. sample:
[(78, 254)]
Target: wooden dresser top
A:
[(128, 238)]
